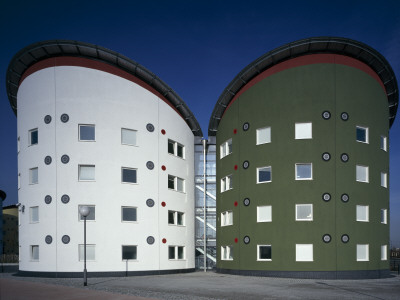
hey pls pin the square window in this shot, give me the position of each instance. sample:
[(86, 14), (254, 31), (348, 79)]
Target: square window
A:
[(86, 172), (129, 175), (226, 148), (264, 213), (303, 131), (263, 135), (128, 214), (304, 212), (92, 213), (362, 134), (226, 252), (226, 218), (128, 137), (34, 252), (304, 252), (304, 171), (362, 173), (34, 176), (363, 252), (264, 174), (264, 252), (176, 252), (33, 137), (384, 216), (129, 252), (90, 252), (226, 183), (384, 143), (176, 218), (362, 213), (383, 179), (86, 133), (384, 252), (176, 149), (34, 214)]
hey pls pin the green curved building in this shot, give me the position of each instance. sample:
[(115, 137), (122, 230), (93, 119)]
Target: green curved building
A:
[(303, 162)]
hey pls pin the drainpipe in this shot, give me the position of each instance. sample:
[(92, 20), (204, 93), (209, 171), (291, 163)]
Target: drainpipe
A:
[(204, 141)]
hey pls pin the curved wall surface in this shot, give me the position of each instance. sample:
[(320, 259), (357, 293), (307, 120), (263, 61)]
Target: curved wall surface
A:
[(51, 231), (315, 204)]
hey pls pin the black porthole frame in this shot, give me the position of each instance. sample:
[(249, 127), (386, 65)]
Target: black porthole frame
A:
[(246, 201), (345, 198), (48, 160), (326, 238), (65, 198), (65, 239), (150, 202), (64, 118), (246, 126), (345, 238), (326, 156), (47, 119), (150, 240), (344, 116), (150, 165), (48, 199), (344, 157), (150, 127), (326, 197), (246, 240), (326, 115), (65, 159), (48, 239), (246, 164)]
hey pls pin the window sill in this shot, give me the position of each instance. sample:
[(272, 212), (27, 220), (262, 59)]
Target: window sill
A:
[(264, 259), (90, 141), (302, 179), (86, 180), (129, 145), (264, 182)]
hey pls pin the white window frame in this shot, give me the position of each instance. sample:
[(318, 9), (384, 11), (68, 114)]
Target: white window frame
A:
[(176, 180), (384, 179), (383, 252), (224, 148), (122, 214), (129, 259), (89, 247), (31, 249), (31, 177), (259, 131), (226, 218), (359, 248), (258, 253), (31, 209), (383, 216), (366, 134), (262, 169), (227, 252), (122, 175), (176, 252), (384, 143), (359, 168), (226, 183), (80, 218), (301, 256), (264, 220), (299, 131), (312, 213), (127, 143), (365, 211), (176, 213), (86, 166), (86, 125), (30, 136), (175, 148), (303, 164)]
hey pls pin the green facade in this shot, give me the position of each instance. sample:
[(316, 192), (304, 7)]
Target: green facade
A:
[(296, 95)]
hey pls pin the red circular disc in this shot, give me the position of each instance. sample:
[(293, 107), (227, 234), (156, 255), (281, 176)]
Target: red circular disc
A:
[(163, 204)]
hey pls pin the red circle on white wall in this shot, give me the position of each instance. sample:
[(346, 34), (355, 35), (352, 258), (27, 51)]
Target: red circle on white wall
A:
[(163, 131)]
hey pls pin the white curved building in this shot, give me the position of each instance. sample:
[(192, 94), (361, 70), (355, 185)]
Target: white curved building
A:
[(97, 129)]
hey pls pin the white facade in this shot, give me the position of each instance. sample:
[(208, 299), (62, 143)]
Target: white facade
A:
[(109, 102)]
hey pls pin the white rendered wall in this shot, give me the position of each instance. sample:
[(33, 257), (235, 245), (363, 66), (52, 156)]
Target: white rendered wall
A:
[(109, 102)]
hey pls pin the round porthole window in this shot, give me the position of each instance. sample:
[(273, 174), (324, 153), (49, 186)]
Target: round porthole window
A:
[(150, 127), (326, 156), (246, 164), (47, 199), (345, 238), (150, 240), (65, 159), (326, 115), (48, 239), (150, 165), (47, 160), (326, 197), (344, 116), (47, 119), (246, 202), (65, 239), (344, 157), (246, 239), (326, 238), (150, 202), (246, 126), (65, 199), (345, 198), (64, 118)]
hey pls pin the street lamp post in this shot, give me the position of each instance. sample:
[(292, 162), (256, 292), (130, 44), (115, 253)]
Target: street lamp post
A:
[(84, 211)]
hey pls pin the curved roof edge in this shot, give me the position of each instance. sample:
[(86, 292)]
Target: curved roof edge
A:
[(36, 52), (315, 45)]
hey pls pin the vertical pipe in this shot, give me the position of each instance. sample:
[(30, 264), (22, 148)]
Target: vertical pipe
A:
[(204, 205), (84, 253)]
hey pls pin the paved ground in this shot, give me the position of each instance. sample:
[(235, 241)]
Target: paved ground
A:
[(198, 285)]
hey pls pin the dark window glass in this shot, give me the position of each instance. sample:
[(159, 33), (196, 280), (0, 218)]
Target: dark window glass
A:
[(171, 147), (129, 252), (171, 182), (180, 150), (171, 252), (180, 218), (34, 137), (171, 217), (86, 132), (180, 252), (361, 134), (265, 174), (265, 252), (129, 175), (128, 214)]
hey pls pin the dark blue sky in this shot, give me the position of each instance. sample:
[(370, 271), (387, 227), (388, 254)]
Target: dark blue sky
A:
[(196, 47)]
